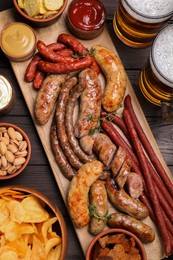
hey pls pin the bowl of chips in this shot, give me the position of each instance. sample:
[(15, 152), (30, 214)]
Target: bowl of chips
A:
[(15, 150), (31, 226), (114, 243), (40, 13)]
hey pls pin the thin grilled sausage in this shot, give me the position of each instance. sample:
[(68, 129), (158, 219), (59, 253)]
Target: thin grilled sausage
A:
[(122, 201), (38, 79), (59, 156), (47, 96), (144, 232), (61, 67), (60, 121), (90, 103), (99, 201), (32, 68), (74, 95)]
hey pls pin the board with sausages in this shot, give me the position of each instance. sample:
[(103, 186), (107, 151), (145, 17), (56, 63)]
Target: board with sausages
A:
[(100, 142)]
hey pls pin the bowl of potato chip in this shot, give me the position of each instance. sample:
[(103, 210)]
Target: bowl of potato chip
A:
[(114, 243), (31, 226), (40, 13), (15, 150)]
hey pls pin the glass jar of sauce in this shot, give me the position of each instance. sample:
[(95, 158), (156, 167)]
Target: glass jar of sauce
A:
[(86, 18)]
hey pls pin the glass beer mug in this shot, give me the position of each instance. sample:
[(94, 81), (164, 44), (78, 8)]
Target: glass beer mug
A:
[(137, 22), (156, 77)]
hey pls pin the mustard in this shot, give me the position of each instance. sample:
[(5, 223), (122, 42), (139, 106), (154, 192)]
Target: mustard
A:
[(18, 40)]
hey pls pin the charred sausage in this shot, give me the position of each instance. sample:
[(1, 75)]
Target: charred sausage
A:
[(59, 156), (143, 231), (134, 185), (47, 96), (118, 160), (122, 201), (123, 173), (60, 122), (90, 103), (74, 95)]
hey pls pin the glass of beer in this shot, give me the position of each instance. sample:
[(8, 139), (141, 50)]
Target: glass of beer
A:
[(156, 76), (136, 23)]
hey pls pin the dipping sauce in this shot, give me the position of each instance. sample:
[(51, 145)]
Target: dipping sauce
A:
[(18, 41), (6, 95), (86, 18)]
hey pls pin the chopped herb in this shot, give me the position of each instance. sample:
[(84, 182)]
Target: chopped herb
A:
[(92, 211)]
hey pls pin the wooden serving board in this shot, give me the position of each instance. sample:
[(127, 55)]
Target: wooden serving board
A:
[(48, 35)]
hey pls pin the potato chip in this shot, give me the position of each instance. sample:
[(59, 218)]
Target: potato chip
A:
[(4, 214), (55, 253), (17, 212), (51, 243), (38, 250), (21, 3), (35, 212), (9, 255), (53, 5), (32, 7), (42, 10), (46, 225), (14, 230)]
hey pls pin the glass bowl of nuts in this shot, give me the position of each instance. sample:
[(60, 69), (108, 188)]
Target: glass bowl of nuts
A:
[(15, 150)]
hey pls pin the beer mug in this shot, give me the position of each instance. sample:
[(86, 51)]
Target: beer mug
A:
[(156, 76), (136, 23)]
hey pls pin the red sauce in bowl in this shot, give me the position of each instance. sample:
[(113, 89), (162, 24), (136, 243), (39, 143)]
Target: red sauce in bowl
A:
[(87, 15)]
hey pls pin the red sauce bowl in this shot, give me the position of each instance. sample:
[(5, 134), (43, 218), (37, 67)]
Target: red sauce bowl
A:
[(86, 18)]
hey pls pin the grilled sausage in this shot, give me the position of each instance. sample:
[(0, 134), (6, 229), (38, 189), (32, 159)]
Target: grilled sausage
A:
[(60, 122), (123, 173), (100, 140), (86, 143), (134, 185), (99, 203), (59, 156), (107, 153), (118, 160), (47, 96), (122, 201), (116, 78), (90, 103), (38, 79), (143, 231), (32, 68), (74, 95), (77, 197)]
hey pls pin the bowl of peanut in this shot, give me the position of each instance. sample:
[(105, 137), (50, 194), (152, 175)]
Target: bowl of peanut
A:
[(15, 150)]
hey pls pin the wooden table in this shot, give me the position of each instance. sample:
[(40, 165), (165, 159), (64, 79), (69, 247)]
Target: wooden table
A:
[(38, 174)]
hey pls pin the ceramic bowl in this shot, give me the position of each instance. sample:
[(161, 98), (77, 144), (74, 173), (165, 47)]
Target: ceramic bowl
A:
[(59, 227), (15, 150), (113, 231), (40, 22), (7, 95)]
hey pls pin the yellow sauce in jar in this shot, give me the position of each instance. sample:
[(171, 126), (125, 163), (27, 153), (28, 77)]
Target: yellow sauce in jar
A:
[(18, 41)]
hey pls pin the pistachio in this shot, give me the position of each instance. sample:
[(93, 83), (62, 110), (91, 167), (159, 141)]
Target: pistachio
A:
[(22, 145), (19, 161), (4, 161), (12, 148), (3, 148), (19, 137), (12, 133), (10, 156)]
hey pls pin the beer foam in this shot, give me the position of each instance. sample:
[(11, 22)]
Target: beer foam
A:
[(162, 53), (154, 8)]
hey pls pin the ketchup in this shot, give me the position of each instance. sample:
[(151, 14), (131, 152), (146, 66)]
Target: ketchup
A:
[(87, 15)]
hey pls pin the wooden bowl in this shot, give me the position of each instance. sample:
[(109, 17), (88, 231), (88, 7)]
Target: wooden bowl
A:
[(40, 22), (113, 231), (59, 226), (10, 155)]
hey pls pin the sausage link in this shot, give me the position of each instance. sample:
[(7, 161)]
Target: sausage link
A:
[(47, 96), (60, 121), (122, 201), (38, 79), (98, 199), (74, 95), (32, 68), (144, 232), (59, 156), (149, 181), (123, 173), (56, 46), (157, 164), (73, 43), (90, 103), (65, 52), (60, 67), (49, 54)]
